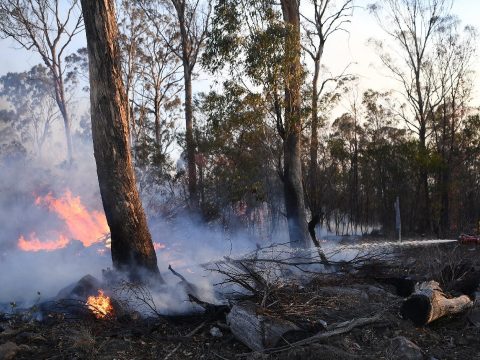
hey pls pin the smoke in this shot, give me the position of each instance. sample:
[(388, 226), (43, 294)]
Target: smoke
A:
[(23, 180), (29, 186)]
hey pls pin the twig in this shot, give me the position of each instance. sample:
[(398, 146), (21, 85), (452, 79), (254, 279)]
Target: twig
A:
[(196, 330), (189, 335), (169, 355)]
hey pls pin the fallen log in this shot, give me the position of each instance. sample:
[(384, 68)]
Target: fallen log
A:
[(257, 330), (429, 303)]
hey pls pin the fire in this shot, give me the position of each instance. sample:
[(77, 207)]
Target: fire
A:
[(159, 246), (34, 244), (100, 305), (80, 224)]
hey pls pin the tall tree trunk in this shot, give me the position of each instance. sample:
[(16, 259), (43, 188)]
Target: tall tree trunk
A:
[(425, 220), (62, 105), (313, 190), (190, 141), (293, 188), (180, 7), (156, 111), (132, 247), (445, 202)]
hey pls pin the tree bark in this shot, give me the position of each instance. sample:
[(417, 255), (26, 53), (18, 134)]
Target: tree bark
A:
[(132, 247), (293, 187)]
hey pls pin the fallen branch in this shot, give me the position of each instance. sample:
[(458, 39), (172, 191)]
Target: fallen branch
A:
[(340, 328)]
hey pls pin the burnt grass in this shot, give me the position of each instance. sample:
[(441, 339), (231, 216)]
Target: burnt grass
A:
[(132, 337)]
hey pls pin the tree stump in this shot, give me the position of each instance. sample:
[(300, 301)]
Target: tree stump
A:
[(429, 303)]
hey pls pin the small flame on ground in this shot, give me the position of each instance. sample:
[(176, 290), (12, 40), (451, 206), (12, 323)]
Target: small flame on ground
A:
[(100, 305), (80, 224)]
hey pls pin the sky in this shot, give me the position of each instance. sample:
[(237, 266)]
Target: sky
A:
[(353, 47), (342, 49)]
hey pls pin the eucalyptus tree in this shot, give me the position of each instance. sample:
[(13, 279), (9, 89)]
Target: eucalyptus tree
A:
[(321, 20), (30, 95), (411, 26), (191, 19), (261, 41), (456, 50), (46, 27), (132, 246)]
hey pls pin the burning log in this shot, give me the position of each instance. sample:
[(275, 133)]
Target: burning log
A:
[(429, 303), (257, 330)]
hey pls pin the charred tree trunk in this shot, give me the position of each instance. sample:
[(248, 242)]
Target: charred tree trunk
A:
[(429, 303), (293, 187), (132, 247)]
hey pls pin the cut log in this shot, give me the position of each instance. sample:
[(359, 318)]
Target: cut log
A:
[(257, 330), (429, 303)]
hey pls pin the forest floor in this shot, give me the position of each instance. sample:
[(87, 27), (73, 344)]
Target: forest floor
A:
[(204, 337)]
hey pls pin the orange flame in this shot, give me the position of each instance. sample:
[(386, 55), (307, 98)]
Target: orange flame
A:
[(159, 246), (34, 244), (100, 305), (80, 224)]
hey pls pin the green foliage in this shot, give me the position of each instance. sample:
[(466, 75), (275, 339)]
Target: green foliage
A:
[(223, 40), (236, 148)]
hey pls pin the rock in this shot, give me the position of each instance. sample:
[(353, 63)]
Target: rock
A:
[(8, 350), (81, 290), (216, 332), (403, 349)]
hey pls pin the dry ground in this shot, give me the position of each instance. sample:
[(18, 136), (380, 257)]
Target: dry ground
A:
[(170, 337)]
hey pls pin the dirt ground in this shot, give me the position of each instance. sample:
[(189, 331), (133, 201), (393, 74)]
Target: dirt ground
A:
[(456, 337)]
